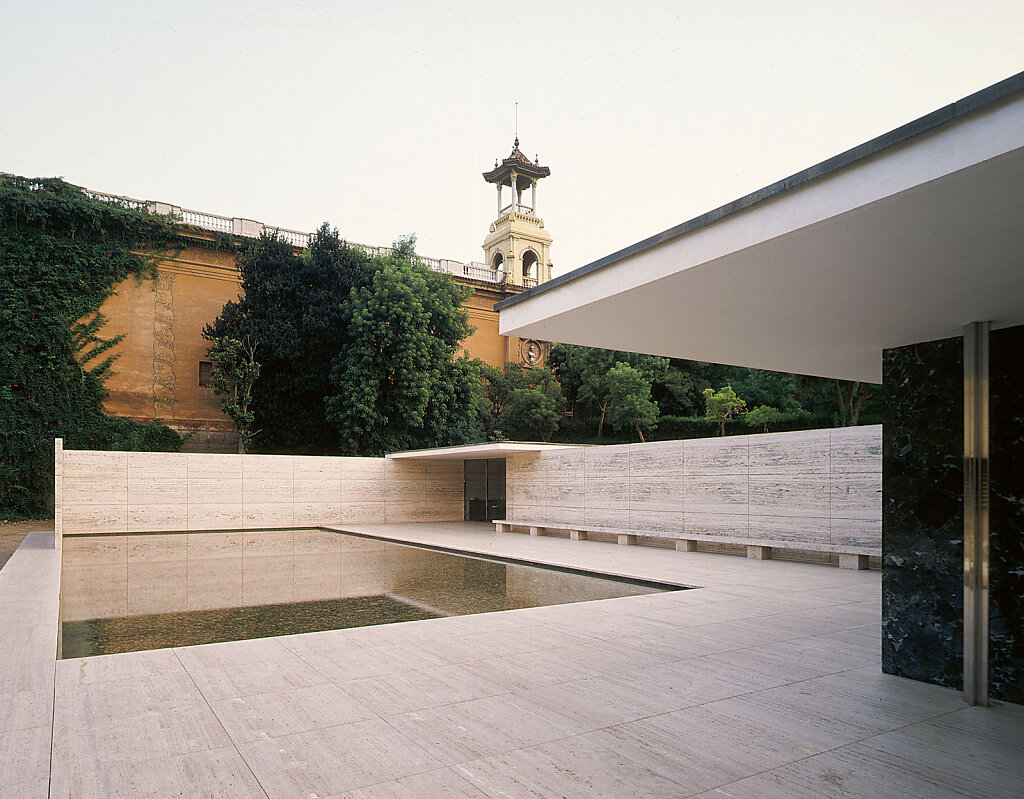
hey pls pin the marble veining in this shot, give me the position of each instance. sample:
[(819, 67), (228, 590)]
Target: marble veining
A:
[(922, 512)]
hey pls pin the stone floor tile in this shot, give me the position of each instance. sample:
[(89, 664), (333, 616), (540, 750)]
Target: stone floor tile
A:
[(415, 690), (25, 709), (26, 675), (246, 679), (129, 665), (220, 773), (147, 735), (335, 760), (671, 645), (81, 704), (469, 730), (342, 666), (428, 785), (259, 716), (233, 653), (24, 756), (568, 768), (595, 702), (704, 746), (848, 774), (609, 626)]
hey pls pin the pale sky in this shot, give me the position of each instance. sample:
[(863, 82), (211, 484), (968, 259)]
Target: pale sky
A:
[(380, 116)]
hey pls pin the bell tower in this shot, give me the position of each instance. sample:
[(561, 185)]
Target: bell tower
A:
[(517, 242)]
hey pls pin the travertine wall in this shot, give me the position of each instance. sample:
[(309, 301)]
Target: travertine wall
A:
[(112, 576), (156, 491), (815, 486)]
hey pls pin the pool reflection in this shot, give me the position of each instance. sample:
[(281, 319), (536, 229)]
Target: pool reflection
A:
[(130, 592)]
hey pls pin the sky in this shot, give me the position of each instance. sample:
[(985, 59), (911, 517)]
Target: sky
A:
[(379, 117)]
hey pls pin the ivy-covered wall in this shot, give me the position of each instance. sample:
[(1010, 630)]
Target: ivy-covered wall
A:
[(61, 255)]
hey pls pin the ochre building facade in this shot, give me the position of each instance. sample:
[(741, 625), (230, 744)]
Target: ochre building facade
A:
[(161, 372)]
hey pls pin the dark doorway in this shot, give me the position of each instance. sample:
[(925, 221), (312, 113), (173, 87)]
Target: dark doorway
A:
[(485, 490)]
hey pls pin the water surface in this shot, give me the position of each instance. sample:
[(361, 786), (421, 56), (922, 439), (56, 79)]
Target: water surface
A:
[(124, 593)]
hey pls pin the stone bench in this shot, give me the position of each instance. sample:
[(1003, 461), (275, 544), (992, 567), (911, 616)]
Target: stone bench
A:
[(850, 557)]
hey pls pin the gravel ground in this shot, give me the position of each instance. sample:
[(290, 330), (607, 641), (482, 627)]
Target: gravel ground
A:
[(12, 534)]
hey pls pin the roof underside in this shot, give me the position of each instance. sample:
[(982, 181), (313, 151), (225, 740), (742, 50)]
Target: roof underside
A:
[(817, 276), (497, 449)]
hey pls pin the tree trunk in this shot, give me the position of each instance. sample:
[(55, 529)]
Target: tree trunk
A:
[(862, 396), (640, 433), (600, 423)]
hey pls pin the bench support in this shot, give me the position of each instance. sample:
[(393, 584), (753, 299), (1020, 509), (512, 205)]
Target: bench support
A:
[(759, 553), (626, 539), (503, 528), (536, 531), (578, 535), (853, 561), (682, 545)]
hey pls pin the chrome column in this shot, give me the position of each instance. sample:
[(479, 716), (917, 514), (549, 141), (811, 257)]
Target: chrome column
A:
[(976, 511)]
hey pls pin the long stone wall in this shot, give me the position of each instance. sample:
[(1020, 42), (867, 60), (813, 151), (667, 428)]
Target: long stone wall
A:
[(156, 491), (816, 486)]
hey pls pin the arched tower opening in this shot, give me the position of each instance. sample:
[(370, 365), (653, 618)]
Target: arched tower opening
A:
[(530, 269)]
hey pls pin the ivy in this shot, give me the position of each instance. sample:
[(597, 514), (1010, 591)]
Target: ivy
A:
[(62, 253)]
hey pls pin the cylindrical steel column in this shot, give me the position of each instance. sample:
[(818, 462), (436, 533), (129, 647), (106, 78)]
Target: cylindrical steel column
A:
[(976, 511)]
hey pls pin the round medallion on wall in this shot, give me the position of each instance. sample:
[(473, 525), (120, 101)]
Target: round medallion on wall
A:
[(532, 353)]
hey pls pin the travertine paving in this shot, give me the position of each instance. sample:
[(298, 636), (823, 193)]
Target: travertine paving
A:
[(764, 683)]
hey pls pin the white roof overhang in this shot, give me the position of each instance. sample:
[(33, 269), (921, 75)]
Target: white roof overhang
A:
[(497, 449), (904, 239)]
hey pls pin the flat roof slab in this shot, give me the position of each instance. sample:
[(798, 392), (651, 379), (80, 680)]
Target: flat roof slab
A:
[(497, 449), (902, 240)]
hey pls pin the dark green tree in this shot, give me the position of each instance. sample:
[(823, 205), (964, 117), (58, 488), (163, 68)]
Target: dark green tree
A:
[(357, 351), (584, 375), (521, 403), (850, 398), (297, 306), (62, 253), (235, 372), (629, 400), (404, 329), (535, 408), (679, 391)]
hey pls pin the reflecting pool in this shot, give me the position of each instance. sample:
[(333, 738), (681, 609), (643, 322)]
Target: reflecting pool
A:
[(124, 593)]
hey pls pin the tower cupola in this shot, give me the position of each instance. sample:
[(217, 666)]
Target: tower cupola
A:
[(517, 242)]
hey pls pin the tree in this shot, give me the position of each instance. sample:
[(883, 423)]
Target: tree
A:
[(295, 306), (520, 402), (583, 374), (721, 405), (404, 328), (496, 389), (235, 372), (629, 400), (535, 408), (679, 391), (762, 416), (357, 351), (851, 398)]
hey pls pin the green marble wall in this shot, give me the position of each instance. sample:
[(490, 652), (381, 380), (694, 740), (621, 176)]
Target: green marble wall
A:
[(922, 513), (1006, 545), (922, 519)]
